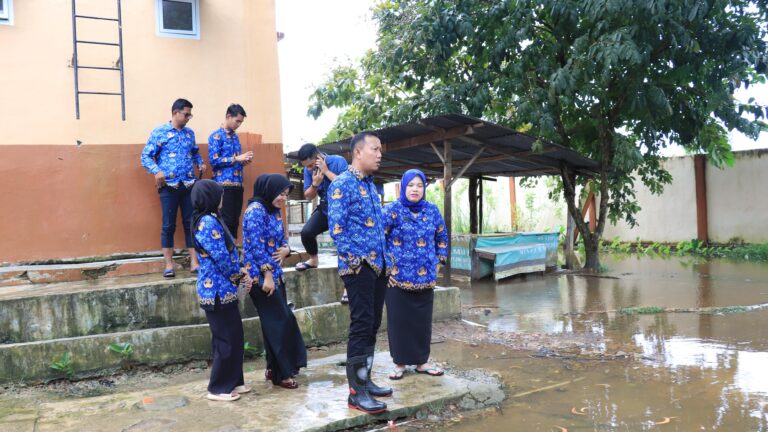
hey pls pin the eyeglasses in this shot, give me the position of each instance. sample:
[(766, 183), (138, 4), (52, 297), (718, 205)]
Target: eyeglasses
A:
[(187, 115)]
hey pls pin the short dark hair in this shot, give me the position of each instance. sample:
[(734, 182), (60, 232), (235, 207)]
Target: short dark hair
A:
[(360, 138), (180, 104), (234, 110), (307, 151)]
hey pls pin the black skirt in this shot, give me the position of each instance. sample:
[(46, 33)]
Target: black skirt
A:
[(286, 352), (409, 325)]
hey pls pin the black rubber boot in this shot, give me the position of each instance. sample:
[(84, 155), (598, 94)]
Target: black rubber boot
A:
[(372, 388), (359, 397)]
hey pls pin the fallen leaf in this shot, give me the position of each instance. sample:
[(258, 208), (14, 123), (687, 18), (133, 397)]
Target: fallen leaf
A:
[(665, 421), (579, 412)]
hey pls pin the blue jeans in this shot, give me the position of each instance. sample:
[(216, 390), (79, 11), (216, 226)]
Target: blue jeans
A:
[(171, 199)]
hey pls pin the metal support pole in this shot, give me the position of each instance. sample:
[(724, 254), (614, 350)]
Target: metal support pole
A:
[(74, 59)]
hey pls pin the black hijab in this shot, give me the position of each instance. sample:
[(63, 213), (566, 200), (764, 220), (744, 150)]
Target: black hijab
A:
[(206, 197), (267, 187)]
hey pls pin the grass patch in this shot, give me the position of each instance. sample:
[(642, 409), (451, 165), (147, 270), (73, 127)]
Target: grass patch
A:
[(644, 310)]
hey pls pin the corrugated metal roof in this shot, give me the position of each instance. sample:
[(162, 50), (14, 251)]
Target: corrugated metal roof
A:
[(500, 151)]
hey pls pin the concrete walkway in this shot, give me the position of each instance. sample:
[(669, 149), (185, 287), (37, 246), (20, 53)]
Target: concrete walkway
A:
[(318, 405)]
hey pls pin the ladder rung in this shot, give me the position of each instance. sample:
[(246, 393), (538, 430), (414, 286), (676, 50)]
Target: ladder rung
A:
[(99, 67), (98, 43), (95, 18), (100, 93)]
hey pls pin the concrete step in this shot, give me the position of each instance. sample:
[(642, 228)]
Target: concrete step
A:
[(82, 271), (38, 312), (319, 404), (91, 356)]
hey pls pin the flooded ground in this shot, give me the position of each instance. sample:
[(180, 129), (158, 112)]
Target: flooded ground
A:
[(673, 371), (569, 358)]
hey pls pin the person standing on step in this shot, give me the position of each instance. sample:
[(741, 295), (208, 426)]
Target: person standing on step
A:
[(265, 248), (418, 241), (354, 218), (227, 164), (217, 282), (320, 170), (171, 154)]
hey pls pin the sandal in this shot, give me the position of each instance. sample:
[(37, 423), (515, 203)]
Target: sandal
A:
[(243, 389), (344, 299), (397, 374), (289, 384), (268, 374), (169, 273), (223, 397), (431, 371), (304, 266)]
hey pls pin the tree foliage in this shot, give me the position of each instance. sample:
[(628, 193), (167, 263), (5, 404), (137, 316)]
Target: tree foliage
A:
[(616, 80)]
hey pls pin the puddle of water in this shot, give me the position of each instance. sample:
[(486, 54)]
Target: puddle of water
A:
[(707, 372)]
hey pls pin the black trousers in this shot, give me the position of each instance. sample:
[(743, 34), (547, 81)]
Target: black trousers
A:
[(227, 348), (230, 211), (316, 225), (366, 293)]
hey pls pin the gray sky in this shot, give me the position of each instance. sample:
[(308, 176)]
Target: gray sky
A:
[(321, 34)]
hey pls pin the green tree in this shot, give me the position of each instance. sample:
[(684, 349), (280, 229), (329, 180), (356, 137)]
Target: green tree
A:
[(616, 80)]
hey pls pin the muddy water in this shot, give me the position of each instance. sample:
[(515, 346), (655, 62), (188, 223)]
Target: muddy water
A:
[(684, 371)]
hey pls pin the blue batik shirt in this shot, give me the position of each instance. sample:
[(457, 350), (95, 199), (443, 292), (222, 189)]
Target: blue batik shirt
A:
[(223, 146), (355, 222), (418, 242), (174, 152), (219, 272), (263, 235), (337, 165)]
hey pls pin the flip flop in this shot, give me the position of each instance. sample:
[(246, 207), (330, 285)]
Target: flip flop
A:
[(304, 266), (344, 299), (431, 371), (223, 397), (243, 389), (169, 273), (397, 374)]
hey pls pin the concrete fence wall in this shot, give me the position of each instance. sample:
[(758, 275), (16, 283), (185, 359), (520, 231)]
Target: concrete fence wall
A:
[(736, 203)]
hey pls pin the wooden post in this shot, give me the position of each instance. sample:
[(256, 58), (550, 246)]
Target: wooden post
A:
[(473, 205), (569, 238), (480, 207), (448, 158), (512, 203), (702, 219), (592, 204)]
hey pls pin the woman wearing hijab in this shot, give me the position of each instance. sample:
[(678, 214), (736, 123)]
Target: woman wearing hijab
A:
[(265, 248), (217, 282), (418, 241)]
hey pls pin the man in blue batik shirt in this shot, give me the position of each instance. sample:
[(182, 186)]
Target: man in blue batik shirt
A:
[(171, 154), (320, 170), (355, 220), (227, 164)]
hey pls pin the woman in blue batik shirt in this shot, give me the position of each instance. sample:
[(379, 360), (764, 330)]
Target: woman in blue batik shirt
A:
[(265, 249), (418, 241), (217, 282)]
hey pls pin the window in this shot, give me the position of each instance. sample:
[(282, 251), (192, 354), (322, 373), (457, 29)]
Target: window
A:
[(178, 18), (6, 12)]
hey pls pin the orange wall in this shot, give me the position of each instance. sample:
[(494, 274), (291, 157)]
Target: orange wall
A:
[(235, 60), (68, 201)]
